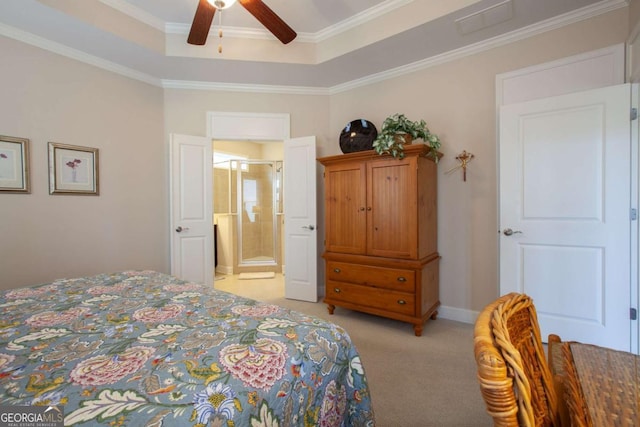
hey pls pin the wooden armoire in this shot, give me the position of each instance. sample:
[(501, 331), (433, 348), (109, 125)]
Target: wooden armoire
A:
[(381, 251)]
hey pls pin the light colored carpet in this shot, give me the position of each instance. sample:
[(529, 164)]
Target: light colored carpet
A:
[(414, 381), (258, 275), (427, 381)]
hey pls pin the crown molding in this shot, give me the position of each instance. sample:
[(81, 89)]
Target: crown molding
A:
[(60, 49), (514, 36), (237, 32), (359, 19), (533, 30), (135, 13), (255, 33), (239, 87)]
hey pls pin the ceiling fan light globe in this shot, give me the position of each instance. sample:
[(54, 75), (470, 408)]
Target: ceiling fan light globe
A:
[(221, 4)]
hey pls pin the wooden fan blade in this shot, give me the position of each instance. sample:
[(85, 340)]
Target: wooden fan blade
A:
[(201, 23), (269, 19)]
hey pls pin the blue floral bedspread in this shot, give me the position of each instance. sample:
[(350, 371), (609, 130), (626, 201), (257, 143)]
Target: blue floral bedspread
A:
[(141, 348)]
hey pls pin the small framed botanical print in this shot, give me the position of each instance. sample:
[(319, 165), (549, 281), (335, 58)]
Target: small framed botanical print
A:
[(73, 170), (14, 165)]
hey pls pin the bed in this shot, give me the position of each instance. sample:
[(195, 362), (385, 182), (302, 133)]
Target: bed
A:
[(141, 348)]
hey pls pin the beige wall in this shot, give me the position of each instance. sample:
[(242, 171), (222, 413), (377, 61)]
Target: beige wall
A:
[(53, 98), (245, 149), (457, 99), (185, 112), (634, 13), (633, 42), (47, 97)]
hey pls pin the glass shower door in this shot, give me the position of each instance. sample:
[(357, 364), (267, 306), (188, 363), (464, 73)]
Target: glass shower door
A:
[(257, 219)]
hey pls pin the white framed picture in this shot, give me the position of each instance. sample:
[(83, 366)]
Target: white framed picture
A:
[(14, 165), (73, 170)]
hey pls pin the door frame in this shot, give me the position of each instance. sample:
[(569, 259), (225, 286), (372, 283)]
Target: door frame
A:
[(243, 126), (635, 229), (234, 126)]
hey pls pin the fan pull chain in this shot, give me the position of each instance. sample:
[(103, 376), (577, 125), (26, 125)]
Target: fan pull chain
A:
[(220, 31)]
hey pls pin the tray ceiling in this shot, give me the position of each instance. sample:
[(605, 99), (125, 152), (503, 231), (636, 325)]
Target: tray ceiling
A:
[(340, 43)]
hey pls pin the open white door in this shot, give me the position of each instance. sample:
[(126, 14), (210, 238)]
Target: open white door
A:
[(565, 212), (191, 208), (301, 234)]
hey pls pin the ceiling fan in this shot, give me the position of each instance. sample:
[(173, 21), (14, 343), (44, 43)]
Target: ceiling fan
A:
[(207, 9)]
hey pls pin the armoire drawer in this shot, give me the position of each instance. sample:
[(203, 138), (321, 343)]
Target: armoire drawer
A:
[(380, 277), (368, 296)]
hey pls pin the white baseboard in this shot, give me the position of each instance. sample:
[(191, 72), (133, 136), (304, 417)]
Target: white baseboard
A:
[(457, 314), (224, 269)]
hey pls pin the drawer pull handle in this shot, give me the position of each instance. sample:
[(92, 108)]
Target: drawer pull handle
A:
[(401, 302), (402, 279), (336, 290), (336, 270)]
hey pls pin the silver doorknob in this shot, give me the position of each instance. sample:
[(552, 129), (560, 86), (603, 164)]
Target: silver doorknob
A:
[(309, 227), (509, 232), (180, 229)]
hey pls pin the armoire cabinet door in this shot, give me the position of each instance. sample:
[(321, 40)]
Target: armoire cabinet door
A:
[(392, 213), (345, 204)]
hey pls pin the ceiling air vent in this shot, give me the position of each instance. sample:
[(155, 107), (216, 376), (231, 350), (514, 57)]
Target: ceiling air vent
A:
[(485, 18)]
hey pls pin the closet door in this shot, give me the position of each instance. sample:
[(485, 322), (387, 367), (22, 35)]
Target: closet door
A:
[(565, 186)]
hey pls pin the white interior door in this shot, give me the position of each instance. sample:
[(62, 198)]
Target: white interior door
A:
[(565, 212), (191, 208), (301, 234)]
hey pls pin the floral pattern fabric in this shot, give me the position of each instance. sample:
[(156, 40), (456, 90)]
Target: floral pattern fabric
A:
[(141, 348)]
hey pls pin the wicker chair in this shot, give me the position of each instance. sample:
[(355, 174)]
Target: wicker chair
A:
[(514, 377), (572, 413), (557, 359)]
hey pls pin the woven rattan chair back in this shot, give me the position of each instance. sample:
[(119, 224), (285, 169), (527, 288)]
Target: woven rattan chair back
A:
[(514, 377)]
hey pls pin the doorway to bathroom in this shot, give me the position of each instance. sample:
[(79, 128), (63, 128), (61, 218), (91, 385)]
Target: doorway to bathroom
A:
[(248, 206)]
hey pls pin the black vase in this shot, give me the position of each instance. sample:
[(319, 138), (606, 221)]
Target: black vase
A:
[(358, 135)]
